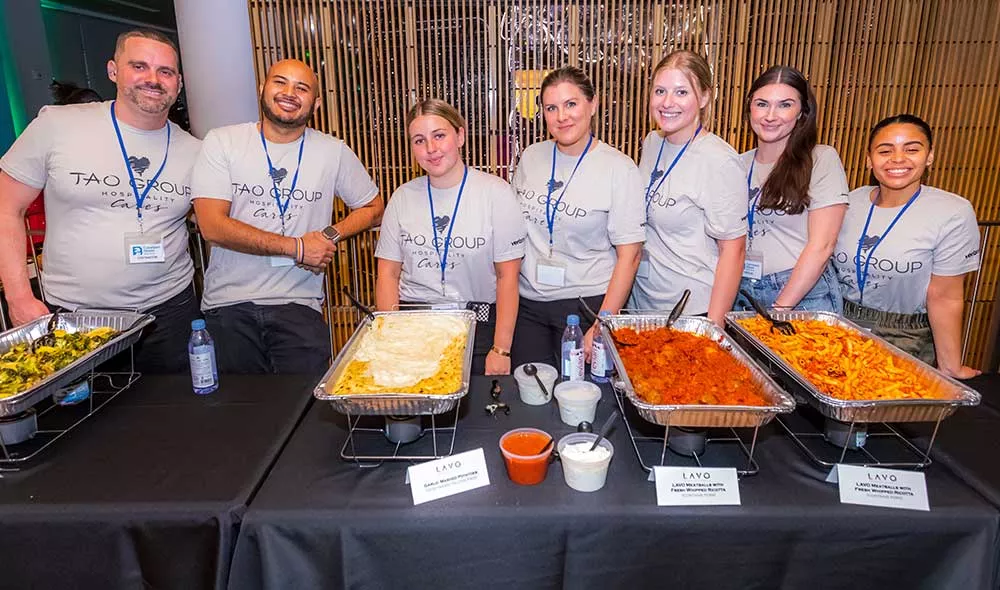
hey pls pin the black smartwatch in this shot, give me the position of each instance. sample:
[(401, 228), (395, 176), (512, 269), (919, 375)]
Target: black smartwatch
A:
[(329, 232)]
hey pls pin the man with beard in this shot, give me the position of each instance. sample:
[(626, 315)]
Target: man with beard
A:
[(115, 176), (264, 195)]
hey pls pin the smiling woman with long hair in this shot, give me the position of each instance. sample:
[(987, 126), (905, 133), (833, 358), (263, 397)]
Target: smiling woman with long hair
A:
[(582, 200), (453, 238), (695, 197), (905, 248), (798, 196)]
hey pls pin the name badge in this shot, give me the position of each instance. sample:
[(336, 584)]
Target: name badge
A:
[(144, 248), (551, 273), (281, 261), (643, 272), (753, 266)]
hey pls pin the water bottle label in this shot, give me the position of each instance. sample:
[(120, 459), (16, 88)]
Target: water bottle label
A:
[(598, 360), (202, 366), (577, 364)]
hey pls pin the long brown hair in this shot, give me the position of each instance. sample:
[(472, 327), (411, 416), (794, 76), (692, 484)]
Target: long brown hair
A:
[(787, 187)]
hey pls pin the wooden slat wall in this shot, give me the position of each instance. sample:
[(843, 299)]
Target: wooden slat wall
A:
[(866, 59)]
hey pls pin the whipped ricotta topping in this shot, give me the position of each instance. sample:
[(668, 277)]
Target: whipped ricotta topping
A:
[(581, 452), (404, 349)]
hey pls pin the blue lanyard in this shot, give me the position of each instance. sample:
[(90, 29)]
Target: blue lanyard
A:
[(862, 276), (550, 211), (652, 175), (443, 259), (140, 198), (752, 210), (276, 191)]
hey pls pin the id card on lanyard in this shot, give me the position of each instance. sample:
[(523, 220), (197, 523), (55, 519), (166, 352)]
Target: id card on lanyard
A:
[(753, 264), (861, 271), (643, 271), (141, 248), (277, 261), (549, 271), (442, 249)]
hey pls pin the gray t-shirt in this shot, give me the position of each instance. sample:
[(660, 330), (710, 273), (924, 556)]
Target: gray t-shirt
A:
[(781, 237), (601, 209), (702, 200), (72, 153), (937, 235), (488, 228), (233, 167)]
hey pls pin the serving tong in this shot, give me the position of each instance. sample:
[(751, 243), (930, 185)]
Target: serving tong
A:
[(674, 314), (784, 327), (49, 337), (357, 303)]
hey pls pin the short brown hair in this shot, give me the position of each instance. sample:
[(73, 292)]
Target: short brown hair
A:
[(145, 34), (436, 106), (698, 73)]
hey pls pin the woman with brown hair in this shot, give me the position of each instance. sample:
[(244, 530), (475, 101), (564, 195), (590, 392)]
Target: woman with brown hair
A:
[(798, 195), (582, 200), (905, 247), (695, 197), (453, 238)]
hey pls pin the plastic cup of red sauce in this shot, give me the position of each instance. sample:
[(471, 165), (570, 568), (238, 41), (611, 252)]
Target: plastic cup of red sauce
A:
[(525, 465)]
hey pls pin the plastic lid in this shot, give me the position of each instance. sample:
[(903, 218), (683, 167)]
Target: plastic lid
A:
[(605, 313), (572, 320), (198, 325)]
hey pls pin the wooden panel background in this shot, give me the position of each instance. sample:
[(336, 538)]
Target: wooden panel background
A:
[(866, 59)]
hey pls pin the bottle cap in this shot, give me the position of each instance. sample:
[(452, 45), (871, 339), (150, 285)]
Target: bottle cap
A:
[(572, 320), (604, 313), (198, 325)]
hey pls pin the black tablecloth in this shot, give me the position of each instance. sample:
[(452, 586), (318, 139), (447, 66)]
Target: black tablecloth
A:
[(319, 522), (147, 493)]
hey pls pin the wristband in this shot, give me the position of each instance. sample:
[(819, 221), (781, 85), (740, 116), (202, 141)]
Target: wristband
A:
[(300, 251), (500, 351)]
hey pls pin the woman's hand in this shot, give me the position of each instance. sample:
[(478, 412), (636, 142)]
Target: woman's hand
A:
[(588, 342), (497, 364), (962, 372)]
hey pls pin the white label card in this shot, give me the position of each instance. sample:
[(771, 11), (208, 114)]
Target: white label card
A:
[(277, 261), (753, 266), (697, 486), (888, 488), (144, 248), (551, 273), (448, 476)]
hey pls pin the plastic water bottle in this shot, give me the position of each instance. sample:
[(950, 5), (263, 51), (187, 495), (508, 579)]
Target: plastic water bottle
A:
[(573, 366), (600, 362), (201, 353)]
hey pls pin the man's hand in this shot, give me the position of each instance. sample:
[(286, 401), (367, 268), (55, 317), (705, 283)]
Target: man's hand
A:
[(27, 309), (318, 250), (316, 270)]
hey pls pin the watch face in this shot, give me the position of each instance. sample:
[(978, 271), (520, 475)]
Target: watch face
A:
[(330, 233)]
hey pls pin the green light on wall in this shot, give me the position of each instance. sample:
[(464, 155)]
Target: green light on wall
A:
[(14, 101)]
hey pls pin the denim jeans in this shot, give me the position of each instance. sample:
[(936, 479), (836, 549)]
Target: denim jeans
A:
[(824, 296), (288, 339)]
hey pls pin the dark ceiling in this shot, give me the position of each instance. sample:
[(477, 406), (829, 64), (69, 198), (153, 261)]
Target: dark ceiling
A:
[(153, 12)]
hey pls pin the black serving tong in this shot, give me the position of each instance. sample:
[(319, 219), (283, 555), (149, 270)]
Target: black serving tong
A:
[(49, 337), (361, 306), (605, 323), (678, 308), (782, 326)]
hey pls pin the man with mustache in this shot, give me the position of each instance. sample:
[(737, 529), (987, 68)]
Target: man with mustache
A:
[(115, 176), (264, 195)]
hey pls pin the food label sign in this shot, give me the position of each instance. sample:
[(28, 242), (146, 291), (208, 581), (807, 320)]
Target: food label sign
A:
[(888, 488), (448, 476), (690, 486)]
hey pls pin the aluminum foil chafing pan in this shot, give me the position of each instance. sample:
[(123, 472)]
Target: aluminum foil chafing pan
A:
[(700, 415), (129, 324), (904, 410), (394, 404)]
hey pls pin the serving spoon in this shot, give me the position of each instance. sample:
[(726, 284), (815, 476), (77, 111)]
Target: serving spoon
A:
[(532, 371)]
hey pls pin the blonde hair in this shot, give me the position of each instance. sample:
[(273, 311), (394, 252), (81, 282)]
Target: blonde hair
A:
[(435, 106), (698, 73)]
